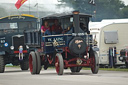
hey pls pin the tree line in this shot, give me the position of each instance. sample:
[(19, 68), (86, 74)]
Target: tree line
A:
[(99, 9)]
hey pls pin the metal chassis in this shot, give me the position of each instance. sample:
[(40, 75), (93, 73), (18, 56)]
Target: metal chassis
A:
[(86, 62)]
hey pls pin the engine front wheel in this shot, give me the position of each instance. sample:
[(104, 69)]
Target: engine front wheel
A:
[(2, 64), (59, 64), (94, 62)]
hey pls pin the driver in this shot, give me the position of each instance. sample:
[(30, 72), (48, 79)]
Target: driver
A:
[(83, 27), (56, 28)]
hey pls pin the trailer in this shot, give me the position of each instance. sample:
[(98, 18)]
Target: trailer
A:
[(110, 36)]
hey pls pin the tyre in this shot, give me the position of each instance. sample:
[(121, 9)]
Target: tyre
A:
[(38, 64), (32, 62), (2, 64), (75, 69), (126, 63), (59, 64), (95, 62), (78, 69), (24, 65)]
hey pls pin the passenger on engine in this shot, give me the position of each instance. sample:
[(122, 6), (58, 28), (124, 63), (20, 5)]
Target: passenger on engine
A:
[(56, 28), (45, 29), (83, 27)]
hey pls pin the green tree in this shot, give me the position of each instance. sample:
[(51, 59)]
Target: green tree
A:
[(124, 12), (108, 9), (103, 9)]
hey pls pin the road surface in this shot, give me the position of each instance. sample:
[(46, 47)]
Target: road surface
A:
[(14, 76)]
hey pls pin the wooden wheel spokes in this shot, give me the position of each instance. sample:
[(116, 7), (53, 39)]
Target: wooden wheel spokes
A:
[(30, 63), (59, 64)]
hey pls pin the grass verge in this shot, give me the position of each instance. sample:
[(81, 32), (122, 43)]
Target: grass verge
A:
[(12, 66), (104, 69), (109, 69)]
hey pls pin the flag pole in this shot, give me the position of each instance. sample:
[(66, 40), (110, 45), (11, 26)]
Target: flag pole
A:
[(37, 8), (37, 11), (29, 6)]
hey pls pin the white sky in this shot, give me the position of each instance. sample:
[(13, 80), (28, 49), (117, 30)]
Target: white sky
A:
[(125, 2), (41, 1), (31, 1)]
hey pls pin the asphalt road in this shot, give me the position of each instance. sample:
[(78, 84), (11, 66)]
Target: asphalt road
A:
[(14, 76)]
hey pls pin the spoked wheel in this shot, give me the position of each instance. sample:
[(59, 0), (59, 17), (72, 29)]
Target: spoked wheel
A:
[(38, 64), (32, 62), (2, 64), (59, 64), (75, 69), (95, 62)]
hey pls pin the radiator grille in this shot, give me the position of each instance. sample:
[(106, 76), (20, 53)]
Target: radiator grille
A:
[(17, 41)]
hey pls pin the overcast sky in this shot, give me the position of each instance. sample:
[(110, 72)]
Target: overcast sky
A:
[(125, 1), (42, 1), (31, 1)]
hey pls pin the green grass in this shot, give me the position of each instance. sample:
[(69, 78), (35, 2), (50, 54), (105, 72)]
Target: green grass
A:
[(104, 69), (114, 69), (109, 69), (13, 66)]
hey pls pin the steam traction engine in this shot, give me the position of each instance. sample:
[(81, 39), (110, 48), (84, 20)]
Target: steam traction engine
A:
[(72, 49)]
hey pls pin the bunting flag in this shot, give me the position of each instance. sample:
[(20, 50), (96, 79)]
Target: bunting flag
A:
[(19, 3)]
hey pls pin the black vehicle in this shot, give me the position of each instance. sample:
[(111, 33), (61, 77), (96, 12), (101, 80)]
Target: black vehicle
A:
[(124, 56), (12, 48), (71, 48)]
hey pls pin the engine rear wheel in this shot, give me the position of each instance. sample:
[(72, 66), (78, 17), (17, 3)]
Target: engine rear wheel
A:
[(38, 65), (59, 64), (32, 62), (2, 64), (94, 61)]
